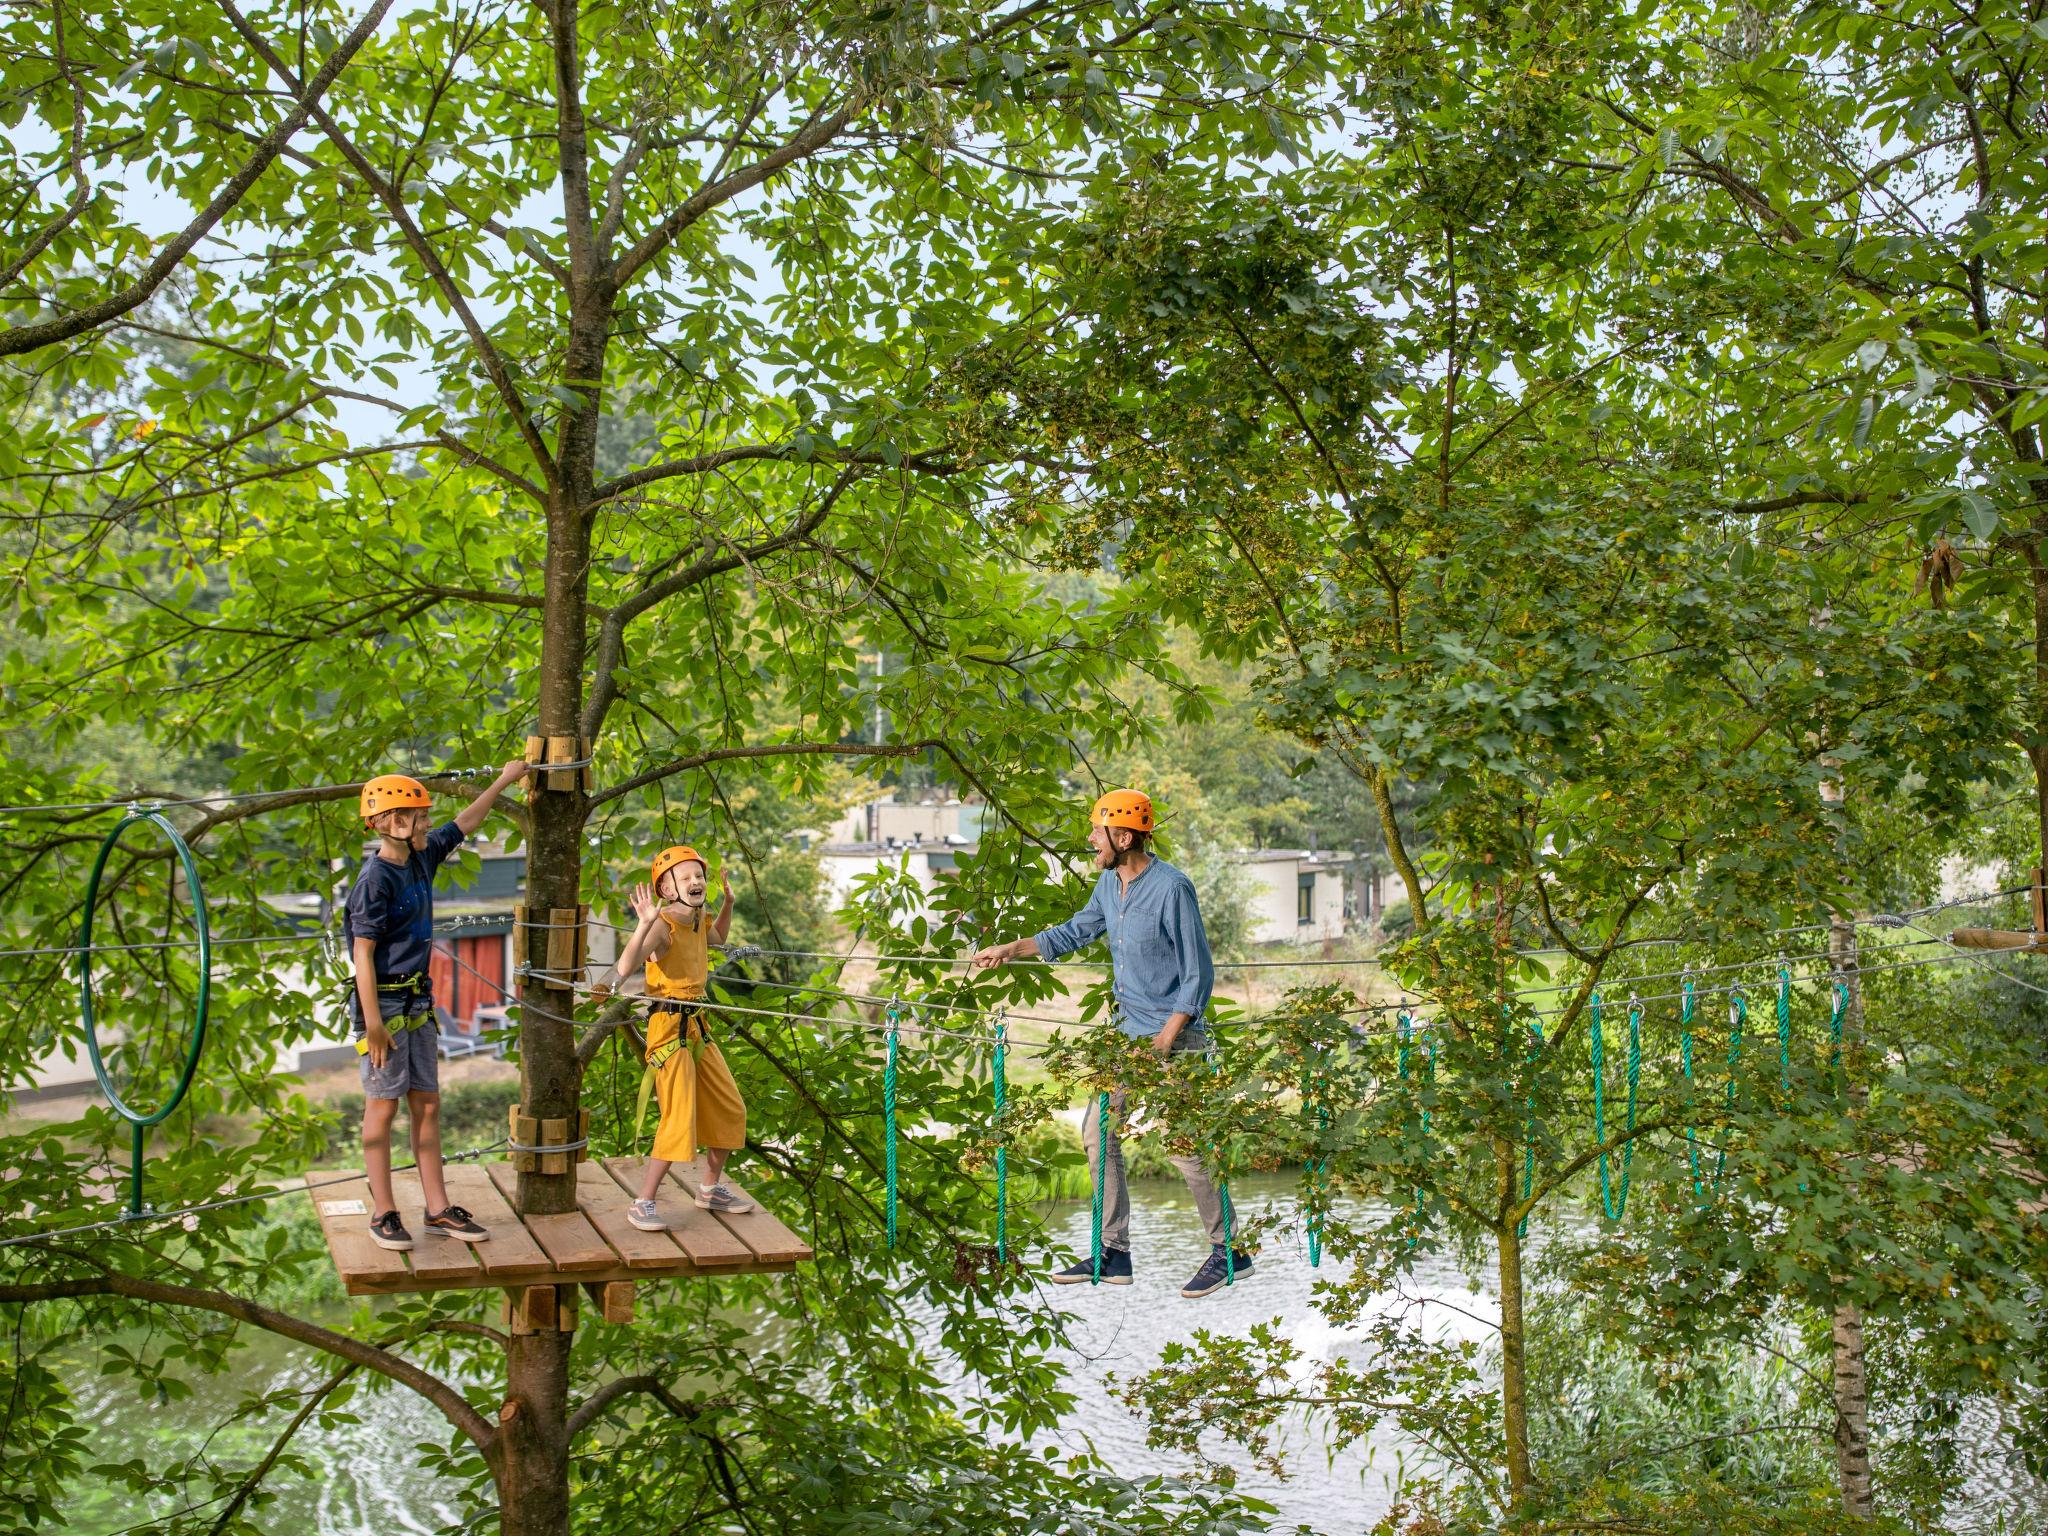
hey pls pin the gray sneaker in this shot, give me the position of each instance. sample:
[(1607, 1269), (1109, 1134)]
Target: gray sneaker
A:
[(643, 1215), (720, 1198)]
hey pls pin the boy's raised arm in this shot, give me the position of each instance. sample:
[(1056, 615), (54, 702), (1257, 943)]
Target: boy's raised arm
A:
[(472, 815)]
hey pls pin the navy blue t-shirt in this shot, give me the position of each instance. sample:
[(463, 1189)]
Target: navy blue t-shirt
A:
[(394, 904)]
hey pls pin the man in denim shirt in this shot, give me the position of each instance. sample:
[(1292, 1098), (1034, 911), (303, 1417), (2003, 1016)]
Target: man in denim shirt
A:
[(1162, 976)]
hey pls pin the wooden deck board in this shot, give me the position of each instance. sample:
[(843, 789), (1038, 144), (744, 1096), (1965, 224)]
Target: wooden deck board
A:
[(765, 1236), (343, 1206), (593, 1245), (599, 1197), (511, 1250), (569, 1238), (698, 1233)]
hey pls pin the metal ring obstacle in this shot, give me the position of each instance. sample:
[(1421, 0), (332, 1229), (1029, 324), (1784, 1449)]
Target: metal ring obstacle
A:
[(139, 1122)]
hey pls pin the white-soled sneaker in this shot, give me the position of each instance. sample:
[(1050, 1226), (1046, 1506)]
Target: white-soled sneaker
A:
[(720, 1198), (643, 1215)]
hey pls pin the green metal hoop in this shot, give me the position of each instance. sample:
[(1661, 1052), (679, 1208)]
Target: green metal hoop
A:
[(139, 1121)]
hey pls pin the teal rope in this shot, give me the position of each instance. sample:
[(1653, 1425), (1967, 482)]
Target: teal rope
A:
[(1429, 1047), (1612, 1203), (889, 1127), (1785, 1034), (1835, 1017), (1315, 1172), (1529, 1130), (1101, 1173), (1002, 1152), (1692, 1140), (1738, 1016)]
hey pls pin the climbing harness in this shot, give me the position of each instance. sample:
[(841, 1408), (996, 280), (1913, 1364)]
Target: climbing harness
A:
[(139, 1121), (1614, 1205), (889, 1128), (1002, 1152)]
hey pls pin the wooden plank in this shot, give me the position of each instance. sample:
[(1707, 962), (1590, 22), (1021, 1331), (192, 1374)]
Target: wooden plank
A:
[(554, 1133), (698, 1233), (511, 1250), (359, 1262), (765, 1235), (408, 1284), (536, 750), (583, 1135), (569, 1239), (433, 1254), (1997, 938), (600, 1198)]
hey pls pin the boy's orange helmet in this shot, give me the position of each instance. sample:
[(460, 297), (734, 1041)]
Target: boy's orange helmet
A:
[(1124, 808), (393, 792), (669, 858)]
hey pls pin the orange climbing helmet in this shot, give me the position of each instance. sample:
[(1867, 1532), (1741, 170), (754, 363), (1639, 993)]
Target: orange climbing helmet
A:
[(669, 858), (1123, 808), (393, 792)]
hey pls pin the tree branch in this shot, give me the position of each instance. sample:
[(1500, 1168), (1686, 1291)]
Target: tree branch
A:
[(394, 204), (812, 137), (27, 338), (453, 1405), (595, 1405), (772, 749)]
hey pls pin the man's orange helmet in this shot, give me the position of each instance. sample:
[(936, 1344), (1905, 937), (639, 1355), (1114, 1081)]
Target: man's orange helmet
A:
[(669, 858), (393, 792), (1123, 808)]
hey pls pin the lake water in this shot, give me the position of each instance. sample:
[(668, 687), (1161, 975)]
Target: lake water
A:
[(369, 1485)]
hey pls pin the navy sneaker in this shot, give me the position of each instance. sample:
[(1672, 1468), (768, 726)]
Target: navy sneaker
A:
[(1116, 1269), (387, 1231), (1216, 1272)]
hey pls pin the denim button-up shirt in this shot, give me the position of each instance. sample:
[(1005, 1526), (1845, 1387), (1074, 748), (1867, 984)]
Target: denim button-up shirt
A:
[(1158, 951)]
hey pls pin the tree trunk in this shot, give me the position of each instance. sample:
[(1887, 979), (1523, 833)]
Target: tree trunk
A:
[(533, 1437), (1514, 1383)]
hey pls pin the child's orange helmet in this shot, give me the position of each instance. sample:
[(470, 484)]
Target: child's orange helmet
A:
[(393, 792), (1124, 808), (669, 858)]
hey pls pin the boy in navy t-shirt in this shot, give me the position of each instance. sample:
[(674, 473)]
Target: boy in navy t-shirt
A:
[(390, 934)]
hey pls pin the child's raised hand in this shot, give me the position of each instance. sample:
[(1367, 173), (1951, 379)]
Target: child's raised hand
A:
[(725, 885), (645, 906)]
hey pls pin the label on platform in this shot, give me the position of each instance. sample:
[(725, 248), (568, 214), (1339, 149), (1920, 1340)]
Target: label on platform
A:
[(343, 1208)]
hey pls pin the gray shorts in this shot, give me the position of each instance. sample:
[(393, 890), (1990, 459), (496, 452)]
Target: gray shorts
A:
[(414, 1065)]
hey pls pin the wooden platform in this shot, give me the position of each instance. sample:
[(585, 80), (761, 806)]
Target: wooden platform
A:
[(592, 1246)]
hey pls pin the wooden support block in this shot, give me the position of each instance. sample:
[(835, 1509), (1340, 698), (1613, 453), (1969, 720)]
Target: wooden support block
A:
[(565, 926), (583, 1135), (565, 1308), (587, 750), (553, 1133), (525, 1133), (2040, 903), (536, 753), (562, 749), (531, 1309), (612, 1298)]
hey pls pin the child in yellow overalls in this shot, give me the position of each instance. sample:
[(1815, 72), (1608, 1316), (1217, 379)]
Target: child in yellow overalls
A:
[(700, 1103)]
